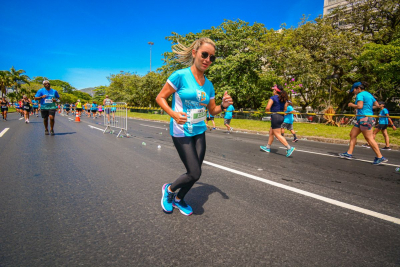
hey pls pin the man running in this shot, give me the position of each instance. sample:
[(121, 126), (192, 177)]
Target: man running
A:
[(228, 117), (48, 107), (79, 107), (93, 109), (107, 103), (4, 108), (384, 121), (67, 108), (210, 118)]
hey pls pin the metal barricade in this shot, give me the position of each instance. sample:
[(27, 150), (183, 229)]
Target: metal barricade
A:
[(116, 116)]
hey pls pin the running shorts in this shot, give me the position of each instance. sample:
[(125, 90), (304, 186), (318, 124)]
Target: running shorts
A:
[(287, 126), (227, 121), (79, 109), (210, 119), (67, 109), (276, 121), (107, 110), (382, 126), (365, 123), (46, 112), (4, 109)]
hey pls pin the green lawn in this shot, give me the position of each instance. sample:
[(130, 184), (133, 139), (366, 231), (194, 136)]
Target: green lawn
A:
[(302, 129)]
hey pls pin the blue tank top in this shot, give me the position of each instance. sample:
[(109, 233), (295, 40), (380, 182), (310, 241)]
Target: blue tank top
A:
[(277, 106)]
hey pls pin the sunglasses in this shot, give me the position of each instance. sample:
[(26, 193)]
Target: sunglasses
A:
[(206, 55)]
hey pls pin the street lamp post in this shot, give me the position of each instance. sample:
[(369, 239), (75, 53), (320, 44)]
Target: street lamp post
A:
[(150, 43), (334, 76)]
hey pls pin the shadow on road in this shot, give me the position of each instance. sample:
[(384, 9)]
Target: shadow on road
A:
[(199, 196), (64, 133)]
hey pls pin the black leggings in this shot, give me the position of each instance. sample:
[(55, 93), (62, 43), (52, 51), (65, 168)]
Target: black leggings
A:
[(191, 150)]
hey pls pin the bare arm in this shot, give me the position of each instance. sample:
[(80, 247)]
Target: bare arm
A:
[(269, 105), (167, 91)]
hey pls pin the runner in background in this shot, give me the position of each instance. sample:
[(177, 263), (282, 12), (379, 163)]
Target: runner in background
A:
[(228, 117), (100, 110), (26, 103), (4, 108), (21, 108), (93, 109), (191, 94), (35, 107), (79, 107), (288, 121), (84, 109), (277, 103), (107, 102), (88, 106), (384, 121), (73, 108), (365, 102), (113, 110), (48, 107), (210, 118), (67, 107)]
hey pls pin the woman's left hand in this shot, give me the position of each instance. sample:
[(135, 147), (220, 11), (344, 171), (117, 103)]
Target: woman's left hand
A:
[(226, 100)]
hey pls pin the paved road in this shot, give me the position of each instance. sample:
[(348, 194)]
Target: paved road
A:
[(84, 198)]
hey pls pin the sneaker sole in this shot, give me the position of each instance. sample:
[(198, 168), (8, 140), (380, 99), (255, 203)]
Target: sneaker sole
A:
[(345, 157), (162, 202), (176, 207)]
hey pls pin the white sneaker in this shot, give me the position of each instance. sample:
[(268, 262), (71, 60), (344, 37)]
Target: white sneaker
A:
[(231, 129)]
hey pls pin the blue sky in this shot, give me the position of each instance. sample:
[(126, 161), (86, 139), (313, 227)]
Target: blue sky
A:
[(83, 42)]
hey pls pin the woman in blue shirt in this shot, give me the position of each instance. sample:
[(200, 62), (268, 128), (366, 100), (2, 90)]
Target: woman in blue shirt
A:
[(277, 103), (191, 94), (365, 102), (383, 124)]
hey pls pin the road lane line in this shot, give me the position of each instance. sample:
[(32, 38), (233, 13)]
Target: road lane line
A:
[(153, 126), (21, 119), (96, 128), (337, 156), (308, 194), (4, 131)]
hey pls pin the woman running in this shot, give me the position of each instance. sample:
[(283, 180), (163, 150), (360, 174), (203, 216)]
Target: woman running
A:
[(192, 94), (4, 108), (93, 109), (277, 103), (384, 122), (35, 107), (26, 104), (365, 102), (100, 110)]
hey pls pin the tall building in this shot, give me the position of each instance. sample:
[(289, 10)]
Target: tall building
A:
[(330, 5)]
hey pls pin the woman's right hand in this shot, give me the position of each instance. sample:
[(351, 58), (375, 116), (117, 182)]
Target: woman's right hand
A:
[(180, 117)]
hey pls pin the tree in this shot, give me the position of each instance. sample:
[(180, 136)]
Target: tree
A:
[(18, 77), (5, 81)]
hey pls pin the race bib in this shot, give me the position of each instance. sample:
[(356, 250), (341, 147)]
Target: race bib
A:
[(26, 107), (48, 101), (3, 106), (197, 115)]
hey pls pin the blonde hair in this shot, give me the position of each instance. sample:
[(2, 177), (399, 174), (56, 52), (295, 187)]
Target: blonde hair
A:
[(184, 54)]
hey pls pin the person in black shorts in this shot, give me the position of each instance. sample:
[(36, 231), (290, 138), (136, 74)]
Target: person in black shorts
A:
[(4, 108), (277, 103), (48, 98), (26, 106)]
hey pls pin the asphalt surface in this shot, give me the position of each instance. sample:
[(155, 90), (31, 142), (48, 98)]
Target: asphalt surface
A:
[(84, 198)]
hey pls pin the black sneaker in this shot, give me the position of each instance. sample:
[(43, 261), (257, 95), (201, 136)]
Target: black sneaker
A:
[(295, 140), (52, 132), (46, 132), (386, 148)]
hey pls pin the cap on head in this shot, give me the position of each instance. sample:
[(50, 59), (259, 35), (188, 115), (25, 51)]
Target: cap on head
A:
[(46, 81), (289, 101), (382, 103), (355, 85), (275, 87), (79, 100)]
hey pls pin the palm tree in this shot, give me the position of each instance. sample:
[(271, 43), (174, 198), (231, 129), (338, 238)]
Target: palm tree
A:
[(5, 81), (18, 78)]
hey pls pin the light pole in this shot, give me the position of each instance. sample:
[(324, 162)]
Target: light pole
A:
[(334, 76), (150, 43)]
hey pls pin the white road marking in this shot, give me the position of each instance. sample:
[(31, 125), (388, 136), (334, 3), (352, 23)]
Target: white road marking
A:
[(96, 128), (21, 119), (153, 126), (308, 194), (4, 131), (337, 156)]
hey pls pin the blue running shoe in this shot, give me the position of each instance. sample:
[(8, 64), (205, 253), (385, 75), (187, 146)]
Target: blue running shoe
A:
[(346, 155), (184, 208), (264, 148), (378, 161), (290, 151), (167, 198)]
